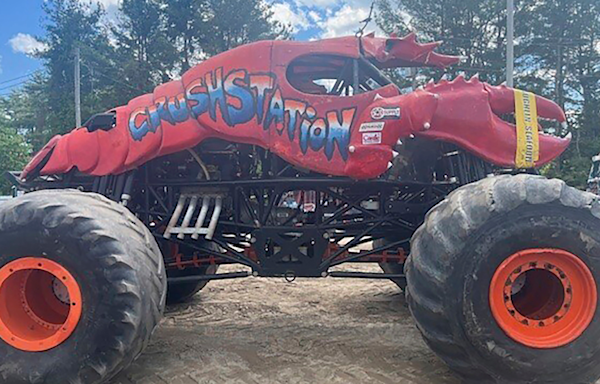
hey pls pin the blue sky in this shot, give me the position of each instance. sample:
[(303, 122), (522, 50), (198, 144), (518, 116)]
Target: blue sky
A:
[(20, 22)]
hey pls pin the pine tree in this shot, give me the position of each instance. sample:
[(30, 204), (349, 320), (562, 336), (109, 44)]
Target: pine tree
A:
[(236, 22), (14, 151), (187, 29), (71, 24), (144, 53)]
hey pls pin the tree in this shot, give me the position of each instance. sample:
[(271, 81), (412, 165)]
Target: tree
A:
[(231, 23), (564, 39), (71, 24), (474, 30), (26, 111), (14, 151), (187, 29), (144, 53), (557, 50)]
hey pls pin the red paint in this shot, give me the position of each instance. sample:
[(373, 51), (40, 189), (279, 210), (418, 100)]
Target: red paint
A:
[(244, 96)]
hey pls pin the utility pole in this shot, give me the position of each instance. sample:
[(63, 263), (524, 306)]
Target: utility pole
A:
[(510, 41), (559, 75), (77, 87)]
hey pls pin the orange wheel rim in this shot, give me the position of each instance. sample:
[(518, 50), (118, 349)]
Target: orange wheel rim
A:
[(40, 304), (543, 298)]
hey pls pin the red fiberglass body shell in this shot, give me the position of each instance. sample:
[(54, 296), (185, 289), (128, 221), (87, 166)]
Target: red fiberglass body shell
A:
[(245, 96)]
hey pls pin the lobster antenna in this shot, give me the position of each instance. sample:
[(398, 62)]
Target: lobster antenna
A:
[(366, 21)]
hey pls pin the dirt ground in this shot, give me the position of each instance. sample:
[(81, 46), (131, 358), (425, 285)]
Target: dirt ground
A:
[(259, 330)]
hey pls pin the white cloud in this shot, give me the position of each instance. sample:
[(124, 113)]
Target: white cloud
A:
[(110, 6), (317, 3), (27, 44), (109, 3), (284, 13), (315, 17), (346, 21)]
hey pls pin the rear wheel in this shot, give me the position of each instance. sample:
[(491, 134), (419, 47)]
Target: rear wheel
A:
[(393, 267), (181, 292), (503, 281), (82, 288)]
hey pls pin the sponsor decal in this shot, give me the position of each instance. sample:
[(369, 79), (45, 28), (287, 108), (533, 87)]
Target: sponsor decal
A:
[(376, 126), (379, 113), (371, 138), (527, 130)]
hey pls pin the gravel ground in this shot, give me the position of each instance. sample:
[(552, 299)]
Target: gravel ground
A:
[(259, 330)]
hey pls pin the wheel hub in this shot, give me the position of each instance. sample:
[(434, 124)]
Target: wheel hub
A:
[(40, 304), (543, 298)]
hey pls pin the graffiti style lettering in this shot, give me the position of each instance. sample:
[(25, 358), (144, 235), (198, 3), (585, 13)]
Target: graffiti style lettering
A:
[(239, 97), (276, 112), (339, 132), (317, 135), (260, 85), (293, 109), (236, 86), (178, 108), (163, 110), (138, 130), (216, 95), (197, 98)]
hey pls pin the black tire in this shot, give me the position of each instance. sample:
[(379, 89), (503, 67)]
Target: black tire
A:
[(392, 268), (118, 267), (182, 292), (457, 251), (396, 269)]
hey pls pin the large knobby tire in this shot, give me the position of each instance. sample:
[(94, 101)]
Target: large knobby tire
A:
[(465, 253), (101, 252), (391, 267), (396, 269)]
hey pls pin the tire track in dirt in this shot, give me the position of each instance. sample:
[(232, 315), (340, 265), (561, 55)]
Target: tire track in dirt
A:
[(266, 331)]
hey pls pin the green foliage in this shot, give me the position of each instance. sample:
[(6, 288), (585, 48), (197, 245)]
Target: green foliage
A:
[(144, 54), (14, 153), (557, 55), (154, 41), (69, 24), (186, 29), (151, 42), (236, 22)]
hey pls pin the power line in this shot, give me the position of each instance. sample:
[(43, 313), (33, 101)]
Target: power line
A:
[(13, 85), (96, 72), (19, 77)]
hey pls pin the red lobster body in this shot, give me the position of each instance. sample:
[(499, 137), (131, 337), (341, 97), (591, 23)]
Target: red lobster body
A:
[(245, 96)]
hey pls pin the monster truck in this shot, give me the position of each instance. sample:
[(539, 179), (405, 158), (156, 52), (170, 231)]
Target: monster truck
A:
[(289, 159)]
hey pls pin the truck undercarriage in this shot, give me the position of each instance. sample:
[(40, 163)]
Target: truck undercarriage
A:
[(273, 217)]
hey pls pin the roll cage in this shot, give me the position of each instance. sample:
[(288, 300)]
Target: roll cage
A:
[(334, 75)]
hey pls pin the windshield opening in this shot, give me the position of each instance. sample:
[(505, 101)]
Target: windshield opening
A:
[(321, 74)]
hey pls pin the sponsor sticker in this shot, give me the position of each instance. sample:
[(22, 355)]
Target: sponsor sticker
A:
[(371, 138), (379, 113), (376, 126), (528, 146)]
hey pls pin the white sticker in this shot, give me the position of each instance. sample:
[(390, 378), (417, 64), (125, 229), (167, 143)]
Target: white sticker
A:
[(376, 126), (371, 138), (379, 113)]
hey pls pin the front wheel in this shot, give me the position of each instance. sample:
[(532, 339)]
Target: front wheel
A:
[(503, 281), (82, 288)]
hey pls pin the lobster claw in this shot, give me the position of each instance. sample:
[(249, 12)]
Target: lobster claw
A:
[(468, 115), (502, 101)]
